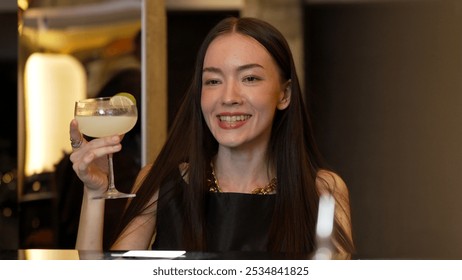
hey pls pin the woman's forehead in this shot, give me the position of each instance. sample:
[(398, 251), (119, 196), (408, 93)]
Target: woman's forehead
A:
[(235, 46)]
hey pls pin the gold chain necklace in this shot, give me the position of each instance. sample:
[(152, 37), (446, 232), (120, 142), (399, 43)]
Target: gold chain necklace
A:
[(268, 189)]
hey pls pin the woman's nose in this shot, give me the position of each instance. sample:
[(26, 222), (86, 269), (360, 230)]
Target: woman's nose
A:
[(231, 94)]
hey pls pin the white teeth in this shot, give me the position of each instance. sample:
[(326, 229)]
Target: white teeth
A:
[(232, 119)]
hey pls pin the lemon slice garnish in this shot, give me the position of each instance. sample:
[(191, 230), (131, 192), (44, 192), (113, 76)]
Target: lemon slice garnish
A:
[(124, 98)]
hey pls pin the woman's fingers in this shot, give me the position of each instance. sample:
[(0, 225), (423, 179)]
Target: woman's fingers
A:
[(95, 149), (104, 146), (75, 135), (94, 154)]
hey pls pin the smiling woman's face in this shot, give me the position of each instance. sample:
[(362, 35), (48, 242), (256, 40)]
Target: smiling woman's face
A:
[(241, 91)]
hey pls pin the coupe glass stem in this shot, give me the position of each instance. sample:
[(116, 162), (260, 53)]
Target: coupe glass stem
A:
[(111, 185), (112, 192)]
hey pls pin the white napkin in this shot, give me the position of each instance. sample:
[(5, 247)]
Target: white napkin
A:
[(153, 254)]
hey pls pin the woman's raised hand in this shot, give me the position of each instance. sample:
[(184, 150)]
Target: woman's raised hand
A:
[(89, 159)]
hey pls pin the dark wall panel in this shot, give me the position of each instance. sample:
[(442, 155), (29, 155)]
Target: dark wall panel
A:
[(8, 130), (386, 92)]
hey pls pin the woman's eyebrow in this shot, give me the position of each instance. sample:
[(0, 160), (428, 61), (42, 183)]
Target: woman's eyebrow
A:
[(249, 66), (211, 69), (240, 68)]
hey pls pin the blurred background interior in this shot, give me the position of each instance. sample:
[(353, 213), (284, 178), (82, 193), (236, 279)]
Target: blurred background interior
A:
[(383, 78)]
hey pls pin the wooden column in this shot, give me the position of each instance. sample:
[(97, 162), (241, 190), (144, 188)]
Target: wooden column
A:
[(154, 79)]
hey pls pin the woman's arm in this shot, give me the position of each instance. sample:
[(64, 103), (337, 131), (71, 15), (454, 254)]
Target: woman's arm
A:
[(89, 162), (90, 232)]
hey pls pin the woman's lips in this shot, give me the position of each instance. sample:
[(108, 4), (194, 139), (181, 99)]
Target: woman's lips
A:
[(232, 121)]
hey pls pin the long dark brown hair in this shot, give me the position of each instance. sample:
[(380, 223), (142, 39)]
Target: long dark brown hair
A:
[(292, 152)]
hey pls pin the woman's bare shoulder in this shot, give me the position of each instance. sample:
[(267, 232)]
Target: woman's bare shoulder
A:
[(144, 171), (328, 181), (141, 175), (184, 167)]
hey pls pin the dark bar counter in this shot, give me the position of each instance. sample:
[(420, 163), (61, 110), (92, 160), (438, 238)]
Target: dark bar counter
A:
[(57, 254)]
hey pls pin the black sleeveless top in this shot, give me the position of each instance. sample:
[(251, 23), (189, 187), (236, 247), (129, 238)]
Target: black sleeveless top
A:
[(234, 221)]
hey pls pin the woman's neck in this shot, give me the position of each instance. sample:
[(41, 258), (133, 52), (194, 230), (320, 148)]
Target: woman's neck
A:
[(241, 172)]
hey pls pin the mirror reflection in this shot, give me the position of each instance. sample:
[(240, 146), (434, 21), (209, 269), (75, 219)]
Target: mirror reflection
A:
[(68, 52)]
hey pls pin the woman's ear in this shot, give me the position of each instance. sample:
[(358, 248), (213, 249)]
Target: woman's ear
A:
[(286, 93)]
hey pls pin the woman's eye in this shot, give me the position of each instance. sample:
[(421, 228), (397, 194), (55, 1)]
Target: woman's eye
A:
[(211, 82), (251, 79)]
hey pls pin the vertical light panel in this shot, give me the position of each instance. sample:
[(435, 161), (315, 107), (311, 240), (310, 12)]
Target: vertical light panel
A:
[(53, 82)]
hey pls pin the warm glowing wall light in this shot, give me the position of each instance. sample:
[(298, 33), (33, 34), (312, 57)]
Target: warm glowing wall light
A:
[(53, 82), (23, 4), (44, 254)]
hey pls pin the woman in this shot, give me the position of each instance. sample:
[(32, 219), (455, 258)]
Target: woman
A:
[(242, 129)]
